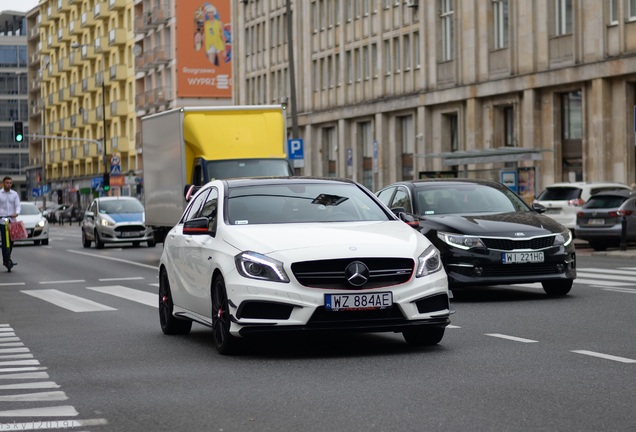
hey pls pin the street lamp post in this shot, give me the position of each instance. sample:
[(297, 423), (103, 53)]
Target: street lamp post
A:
[(104, 161)]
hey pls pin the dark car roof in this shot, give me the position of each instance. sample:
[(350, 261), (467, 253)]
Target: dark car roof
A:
[(282, 180), (618, 192), (449, 181)]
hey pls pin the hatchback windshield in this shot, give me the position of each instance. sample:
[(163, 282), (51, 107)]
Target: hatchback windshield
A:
[(121, 206), (560, 194), (298, 203), (605, 201), (29, 210)]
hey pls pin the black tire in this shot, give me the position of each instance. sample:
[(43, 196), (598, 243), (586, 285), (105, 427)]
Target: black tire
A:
[(426, 336), (99, 244), (223, 341), (136, 244), (85, 241), (598, 246), (152, 243), (45, 242), (557, 288), (36, 242), (169, 324)]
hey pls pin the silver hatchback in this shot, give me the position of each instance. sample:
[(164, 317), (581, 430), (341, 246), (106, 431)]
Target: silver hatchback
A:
[(115, 220)]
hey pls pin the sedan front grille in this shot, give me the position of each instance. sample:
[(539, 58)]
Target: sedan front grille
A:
[(330, 274), (530, 269), (509, 244)]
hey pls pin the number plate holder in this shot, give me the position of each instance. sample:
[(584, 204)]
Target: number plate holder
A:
[(358, 301)]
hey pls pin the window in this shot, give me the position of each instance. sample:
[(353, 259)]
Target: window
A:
[(509, 124), (613, 12), (631, 10), (500, 19), (447, 17), (572, 110), (563, 16)]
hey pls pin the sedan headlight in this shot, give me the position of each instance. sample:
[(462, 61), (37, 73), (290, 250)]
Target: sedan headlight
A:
[(429, 262), (257, 266), (563, 239), (41, 223), (461, 241)]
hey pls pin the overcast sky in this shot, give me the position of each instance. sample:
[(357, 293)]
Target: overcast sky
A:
[(17, 5)]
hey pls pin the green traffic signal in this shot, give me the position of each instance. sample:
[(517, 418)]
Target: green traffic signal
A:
[(18, 133), (106, 186)]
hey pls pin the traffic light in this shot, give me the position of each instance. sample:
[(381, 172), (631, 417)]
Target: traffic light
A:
[(18, 133), (106, 186)]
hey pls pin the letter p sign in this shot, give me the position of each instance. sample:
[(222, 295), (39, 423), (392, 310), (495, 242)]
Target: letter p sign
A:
[(295, 149)]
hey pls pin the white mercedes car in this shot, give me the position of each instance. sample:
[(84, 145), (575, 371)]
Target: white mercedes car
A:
[(267, 255)]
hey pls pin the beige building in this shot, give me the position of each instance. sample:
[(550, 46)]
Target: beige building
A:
[(81, 77), (400, 89)]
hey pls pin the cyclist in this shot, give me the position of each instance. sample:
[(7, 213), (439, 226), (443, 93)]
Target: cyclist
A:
[(11, 208)]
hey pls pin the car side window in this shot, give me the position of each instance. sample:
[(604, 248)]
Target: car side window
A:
[(210, 207), (193, 210), (401, 199), (385, 196)]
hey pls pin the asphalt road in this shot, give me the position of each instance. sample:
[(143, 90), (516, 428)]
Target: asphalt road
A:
[(513, 359)]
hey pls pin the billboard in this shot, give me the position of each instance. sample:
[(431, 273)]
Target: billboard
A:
[(204, 48)]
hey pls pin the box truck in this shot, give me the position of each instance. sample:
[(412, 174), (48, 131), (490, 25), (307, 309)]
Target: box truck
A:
[(193, 145)]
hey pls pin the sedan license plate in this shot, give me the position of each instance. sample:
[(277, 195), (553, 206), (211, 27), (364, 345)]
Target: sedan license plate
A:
[(521, 257), (358, 301), (596, 222)]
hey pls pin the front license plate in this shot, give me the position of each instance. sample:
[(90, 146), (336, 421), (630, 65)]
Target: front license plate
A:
[(130, 234), (552, 211), (356, 301), (522, 257), (596, 222)]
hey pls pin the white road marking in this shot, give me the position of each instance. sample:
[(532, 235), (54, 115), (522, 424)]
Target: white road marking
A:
[(58, 411), (11, 344), (19, 363), (53, 424), (15, 356), (22, 369), (620, 290), (512, 338), (129, 294), (12, 283), (113, 259), (120, 279), (61, 282), (31, 385), (68, 301), (26, 375), (6, 335), (35, 397), (605, 356), (450, 326), (610, 271), (601, 282), (9, 339), (6, 330), (605, 277), (13, 350), (154, 284), (5, 325)]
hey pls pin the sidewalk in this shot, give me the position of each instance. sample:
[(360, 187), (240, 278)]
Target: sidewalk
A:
[(583, 248)]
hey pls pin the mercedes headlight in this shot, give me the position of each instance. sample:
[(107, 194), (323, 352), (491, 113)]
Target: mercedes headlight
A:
[(429, 262), (461, 241), (257, 266)]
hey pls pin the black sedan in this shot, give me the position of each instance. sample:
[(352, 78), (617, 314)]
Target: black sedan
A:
[(487, 235)]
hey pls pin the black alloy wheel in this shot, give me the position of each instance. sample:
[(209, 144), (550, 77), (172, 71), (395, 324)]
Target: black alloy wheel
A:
[(169, 324), (224, 342)]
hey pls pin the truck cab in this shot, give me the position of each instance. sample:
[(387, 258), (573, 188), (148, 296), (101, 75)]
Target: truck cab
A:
[(204, 170)]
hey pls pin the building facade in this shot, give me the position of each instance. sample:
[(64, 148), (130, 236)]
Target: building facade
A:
[(387, 90), (14, 156), (85, 111)]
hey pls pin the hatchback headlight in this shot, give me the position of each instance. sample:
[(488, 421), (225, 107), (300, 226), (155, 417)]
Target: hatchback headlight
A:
[(461, 241), (563, 239), (429, 262), (106, 222), (257, 266), (41, 223)]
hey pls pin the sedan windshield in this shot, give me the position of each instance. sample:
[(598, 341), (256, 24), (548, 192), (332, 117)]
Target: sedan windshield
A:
[(467, 199), (301, 203), (121, 206), (29, 210)]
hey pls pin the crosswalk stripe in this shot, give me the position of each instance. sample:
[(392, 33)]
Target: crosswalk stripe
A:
[(620, 290), (41, 412), (138, 296), (610, 271), (15, 356), (13, 350), (4, 325), (25, 375), (121, 279), (22, 369), (601, 282), (19, 363), (6, 335), (608, 277), (68, 301), (35, 397), (53, 424), (31, 385), (10, 342), (6, 330)]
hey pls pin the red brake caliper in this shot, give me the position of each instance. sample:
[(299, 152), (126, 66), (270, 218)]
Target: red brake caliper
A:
[(164, 299)]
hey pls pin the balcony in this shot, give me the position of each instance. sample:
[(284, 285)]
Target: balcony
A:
[(160, 15), (53, 98), (89, 117), (149, 57), (45, 20), (63, 95), (63, 6), (150, 97), (34, 59), (63, 64), (73, 89), (34, 32), (117, 36), (63, 34), (161, 55), (100, 10), (119, 108), (88, 52), (99, 113), (161, 96), (116, 4), (73, 26), (73, 120), (118, 73), (87, 20), (90, 150), (72, 59), (88, 85), (140, 101), (120, 144), (61, 124), (98, 45), (99, 79)]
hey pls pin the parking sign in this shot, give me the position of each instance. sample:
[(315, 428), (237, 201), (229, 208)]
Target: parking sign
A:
[(295, 150)]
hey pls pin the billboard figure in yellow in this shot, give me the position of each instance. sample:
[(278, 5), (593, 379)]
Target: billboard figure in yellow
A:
[(214, 38)]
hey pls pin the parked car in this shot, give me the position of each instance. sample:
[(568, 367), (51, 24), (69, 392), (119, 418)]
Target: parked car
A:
[(599, 221), (71, 214), (52, 211), (294, 254), (35, 223), (487, 235), (115, 220), (563, 200)]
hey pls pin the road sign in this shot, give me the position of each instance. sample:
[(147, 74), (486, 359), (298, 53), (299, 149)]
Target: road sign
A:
[(45, 189), (295, 149), (35, 192), (115, 164)]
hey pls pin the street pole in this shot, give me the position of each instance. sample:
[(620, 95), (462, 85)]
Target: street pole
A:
[(292, 70)]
